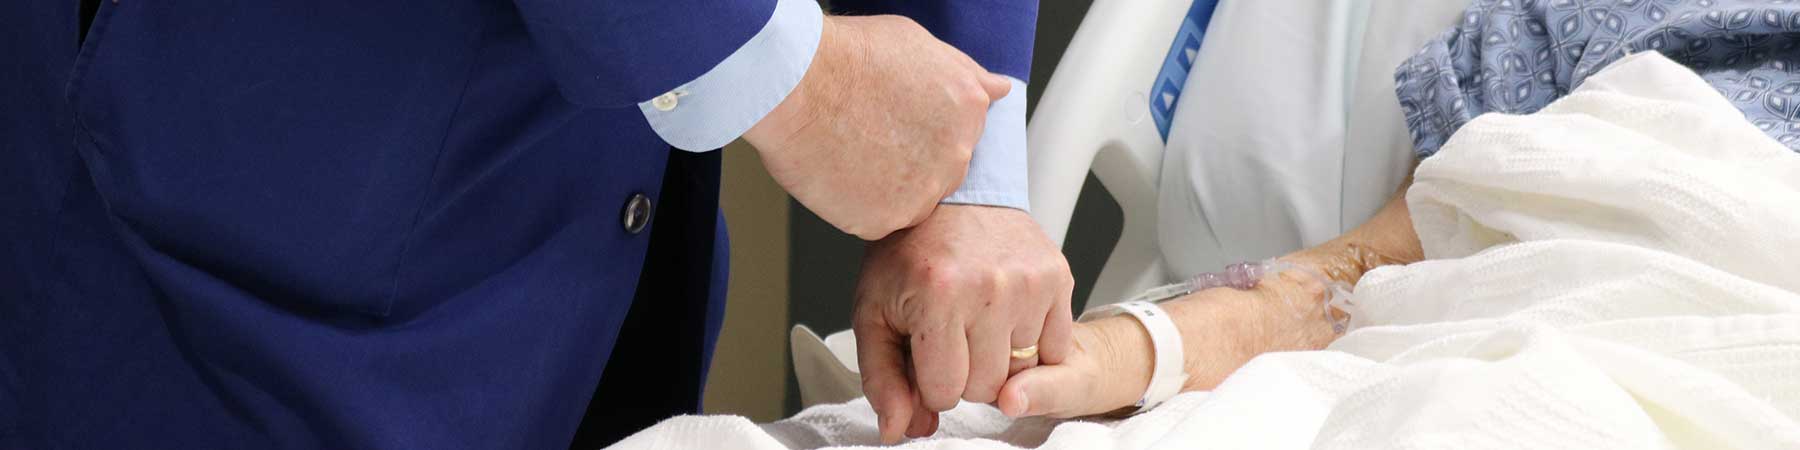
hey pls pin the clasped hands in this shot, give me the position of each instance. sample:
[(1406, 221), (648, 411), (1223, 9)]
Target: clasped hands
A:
[(879, 131)]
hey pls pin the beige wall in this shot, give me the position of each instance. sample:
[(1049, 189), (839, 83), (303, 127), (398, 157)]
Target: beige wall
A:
[(749, 370)]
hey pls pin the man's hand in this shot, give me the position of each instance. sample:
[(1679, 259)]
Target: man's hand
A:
[(940, 306), (880, 128)]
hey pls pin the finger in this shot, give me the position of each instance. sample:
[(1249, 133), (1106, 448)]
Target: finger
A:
[(1025, 335), (990, 352), (996, 85), (1020, 364), (1057, 338), (940, 365), (881, 358), (1051, 390), (924, 423)]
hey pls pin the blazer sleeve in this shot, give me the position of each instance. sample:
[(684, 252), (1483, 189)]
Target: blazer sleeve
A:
[(701, 72)]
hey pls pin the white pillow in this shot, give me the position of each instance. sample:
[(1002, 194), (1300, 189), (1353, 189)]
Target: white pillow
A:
[(1288, 132)]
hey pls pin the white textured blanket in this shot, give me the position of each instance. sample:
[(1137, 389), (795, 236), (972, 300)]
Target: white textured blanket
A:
[(1619, 270)]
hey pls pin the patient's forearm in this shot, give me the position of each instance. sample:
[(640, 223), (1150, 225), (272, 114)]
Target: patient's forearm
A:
[(1223, 332), (1223, 328), (1387, 238)]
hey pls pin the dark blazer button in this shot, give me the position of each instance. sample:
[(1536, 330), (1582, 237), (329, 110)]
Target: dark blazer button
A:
[(637, 213)]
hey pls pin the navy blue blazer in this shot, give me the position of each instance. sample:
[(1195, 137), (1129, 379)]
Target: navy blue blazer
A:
[(367, 224)]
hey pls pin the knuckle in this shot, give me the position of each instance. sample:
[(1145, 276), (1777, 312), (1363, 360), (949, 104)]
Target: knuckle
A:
[(1052, 271), (919, 316), (970, 94), (965, 144), (939, 278), (958, 284), (995, 281), (959, 149), (864, 318), (1056, 274), (956, 141)]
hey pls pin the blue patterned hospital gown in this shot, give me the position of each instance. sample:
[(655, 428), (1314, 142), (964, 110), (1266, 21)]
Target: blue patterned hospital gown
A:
[(1516, 56)]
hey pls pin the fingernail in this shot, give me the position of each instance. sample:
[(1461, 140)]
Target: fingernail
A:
[(1024, 405)]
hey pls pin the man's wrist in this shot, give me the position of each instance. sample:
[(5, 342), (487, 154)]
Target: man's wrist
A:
[(817, 88)]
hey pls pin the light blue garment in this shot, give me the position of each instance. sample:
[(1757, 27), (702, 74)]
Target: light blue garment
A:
[(723, 103), (997, 170), (1516, 56)]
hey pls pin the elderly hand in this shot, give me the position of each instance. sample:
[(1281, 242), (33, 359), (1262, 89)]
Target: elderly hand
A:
[(1108, 369), (880, 128), (941, 306), (1221, 329)]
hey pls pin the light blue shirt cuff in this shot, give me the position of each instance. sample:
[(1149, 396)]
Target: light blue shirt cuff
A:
[(725, 102), (997, 170)]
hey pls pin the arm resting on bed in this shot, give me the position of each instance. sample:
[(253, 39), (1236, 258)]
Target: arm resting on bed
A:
[(1221, 329)]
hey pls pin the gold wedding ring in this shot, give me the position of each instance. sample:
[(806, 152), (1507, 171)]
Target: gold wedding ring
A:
[(1024, 353)]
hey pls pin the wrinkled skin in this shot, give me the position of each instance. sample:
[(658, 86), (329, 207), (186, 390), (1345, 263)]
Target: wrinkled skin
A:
[(881, 126), (940, 306)]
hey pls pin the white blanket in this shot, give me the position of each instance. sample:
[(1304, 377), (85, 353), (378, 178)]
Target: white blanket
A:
[(1619, 270)]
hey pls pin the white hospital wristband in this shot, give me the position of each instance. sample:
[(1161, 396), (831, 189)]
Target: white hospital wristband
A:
[(1169, 371)]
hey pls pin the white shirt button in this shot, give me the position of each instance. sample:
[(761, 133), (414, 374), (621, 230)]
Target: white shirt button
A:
[(665, 102)]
